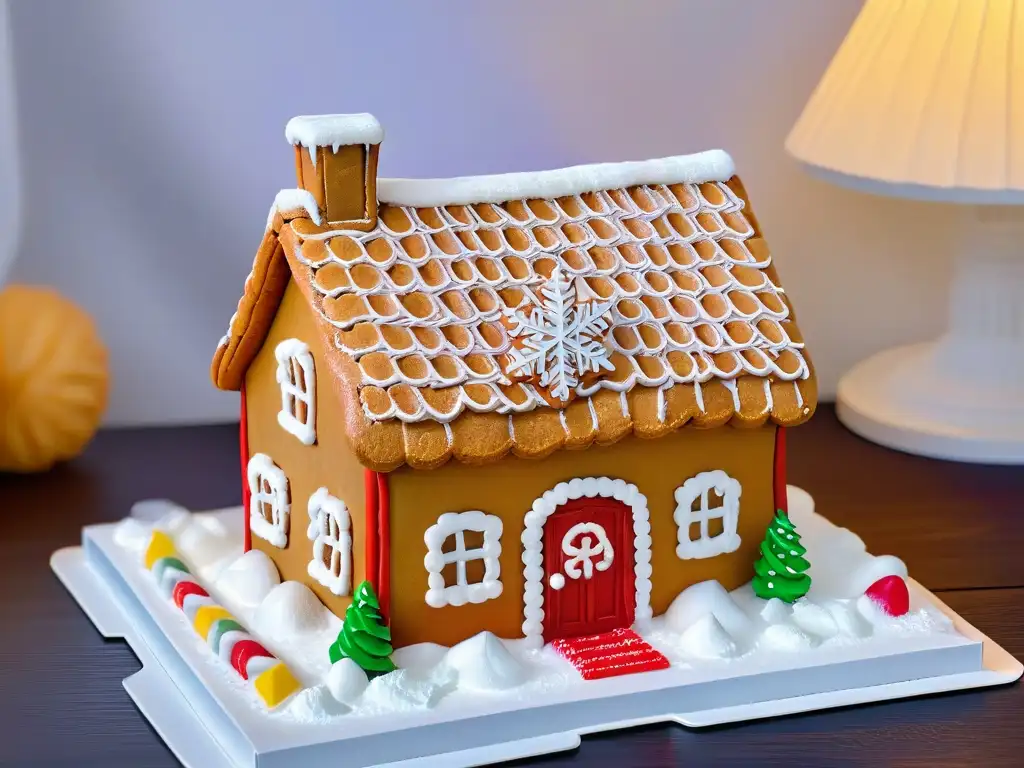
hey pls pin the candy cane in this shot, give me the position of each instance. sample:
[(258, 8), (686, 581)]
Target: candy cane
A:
[(225, 636)]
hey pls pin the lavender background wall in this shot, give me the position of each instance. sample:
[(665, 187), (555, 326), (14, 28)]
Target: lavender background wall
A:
[(152, 145)]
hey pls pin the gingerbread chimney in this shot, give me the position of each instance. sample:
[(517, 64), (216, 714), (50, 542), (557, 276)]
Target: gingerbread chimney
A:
[(336, 162)]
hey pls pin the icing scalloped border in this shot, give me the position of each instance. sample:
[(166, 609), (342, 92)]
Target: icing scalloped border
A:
[(533, 547)]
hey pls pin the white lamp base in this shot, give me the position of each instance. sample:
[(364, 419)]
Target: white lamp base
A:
[(960, 397), (919, 400)]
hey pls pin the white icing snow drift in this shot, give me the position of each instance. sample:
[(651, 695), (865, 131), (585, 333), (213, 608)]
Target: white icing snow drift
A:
[(484, 663), (705, 627)]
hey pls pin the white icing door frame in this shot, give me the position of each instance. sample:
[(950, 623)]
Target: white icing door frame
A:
[(533, 547)]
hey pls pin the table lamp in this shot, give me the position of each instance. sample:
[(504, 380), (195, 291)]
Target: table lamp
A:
[(925, 100)]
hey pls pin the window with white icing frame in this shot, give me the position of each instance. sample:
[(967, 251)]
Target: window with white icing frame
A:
[(330, 530), (296, 376), (462, 562), (269, 500), (707, 514)]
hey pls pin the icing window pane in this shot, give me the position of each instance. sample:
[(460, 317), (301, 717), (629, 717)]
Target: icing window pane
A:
[(269, 500), (707, 513), (297, 378), (330, 531), (463, 550)]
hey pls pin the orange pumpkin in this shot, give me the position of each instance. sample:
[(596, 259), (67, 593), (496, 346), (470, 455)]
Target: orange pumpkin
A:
[(53, 378)]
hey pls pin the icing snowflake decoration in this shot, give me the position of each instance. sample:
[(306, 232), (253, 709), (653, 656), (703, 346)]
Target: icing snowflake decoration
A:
[(561, 339)]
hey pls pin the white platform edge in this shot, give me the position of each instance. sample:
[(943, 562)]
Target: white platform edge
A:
[(181, 727)]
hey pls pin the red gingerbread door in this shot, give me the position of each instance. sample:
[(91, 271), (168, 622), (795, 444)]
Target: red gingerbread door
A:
[(588, 568)]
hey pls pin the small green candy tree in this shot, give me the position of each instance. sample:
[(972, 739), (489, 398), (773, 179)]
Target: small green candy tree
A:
[(780, 571), (363, 637)]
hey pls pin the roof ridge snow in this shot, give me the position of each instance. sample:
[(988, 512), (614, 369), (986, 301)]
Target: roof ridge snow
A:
[(711, 165)]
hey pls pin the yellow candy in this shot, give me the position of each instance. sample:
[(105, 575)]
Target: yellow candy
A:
[(275, 685), (160, 545), (205, 617)]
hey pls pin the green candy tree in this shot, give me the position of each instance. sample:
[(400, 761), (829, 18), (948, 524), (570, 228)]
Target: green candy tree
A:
[(780, 571), (363, 637)]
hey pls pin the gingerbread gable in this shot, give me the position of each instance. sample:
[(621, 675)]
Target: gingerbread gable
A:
[(445, 339)]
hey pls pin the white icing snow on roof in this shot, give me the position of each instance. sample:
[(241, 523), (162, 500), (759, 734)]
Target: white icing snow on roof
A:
[(713, 165), (291, 199), (334, 130)]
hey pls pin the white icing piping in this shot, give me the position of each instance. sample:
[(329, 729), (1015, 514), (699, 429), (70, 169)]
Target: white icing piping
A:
[(293, 356), (455, 524), (769, 401), (799, 394), (330, 531), (706, 545), (533, 547), (730, 384), (262, 469), (698, 396)]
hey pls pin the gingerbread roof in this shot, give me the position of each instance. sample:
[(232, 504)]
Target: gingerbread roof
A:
[(420, 314)]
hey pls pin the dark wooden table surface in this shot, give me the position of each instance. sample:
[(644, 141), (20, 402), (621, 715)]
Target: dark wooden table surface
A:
[(960, 529)]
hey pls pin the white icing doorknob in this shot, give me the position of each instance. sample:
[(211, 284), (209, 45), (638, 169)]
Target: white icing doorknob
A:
[(557, 581)]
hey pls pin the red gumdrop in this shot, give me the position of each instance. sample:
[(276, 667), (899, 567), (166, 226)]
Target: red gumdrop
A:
[(891, 595), (185, 588), (242, 652)]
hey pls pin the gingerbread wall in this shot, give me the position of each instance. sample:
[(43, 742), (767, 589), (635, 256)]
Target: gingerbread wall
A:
[(328, 462), (508, 489)]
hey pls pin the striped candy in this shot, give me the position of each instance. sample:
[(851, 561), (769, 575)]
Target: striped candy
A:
[(273, 681)]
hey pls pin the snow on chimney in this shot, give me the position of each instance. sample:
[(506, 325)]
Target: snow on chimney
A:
[(336, 162)]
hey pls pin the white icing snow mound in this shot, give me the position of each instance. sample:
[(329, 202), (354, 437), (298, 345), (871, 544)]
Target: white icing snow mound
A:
[(316, 704), (814, 619), (706, 639), (400, 691), (848, 621), (484, 663), (249, 579), (291, 610), (346, 681), (784, 637), (132, 535), (205, 542), (159, 511), (871, 570), (419, 658), (703, 599), (775, 611)]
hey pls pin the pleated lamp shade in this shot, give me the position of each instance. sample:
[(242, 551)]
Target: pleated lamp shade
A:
[(924, 99)]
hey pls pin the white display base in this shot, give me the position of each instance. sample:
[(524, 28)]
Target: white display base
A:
[(209, 720), (915, 399)]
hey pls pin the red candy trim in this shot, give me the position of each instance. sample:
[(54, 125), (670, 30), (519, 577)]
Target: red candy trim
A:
[(185, 588), (243, 651)]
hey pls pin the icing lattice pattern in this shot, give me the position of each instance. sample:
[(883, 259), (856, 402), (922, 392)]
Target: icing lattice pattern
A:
[(417, 302)]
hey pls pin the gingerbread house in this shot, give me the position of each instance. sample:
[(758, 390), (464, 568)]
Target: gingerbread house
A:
[(539, 404)]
